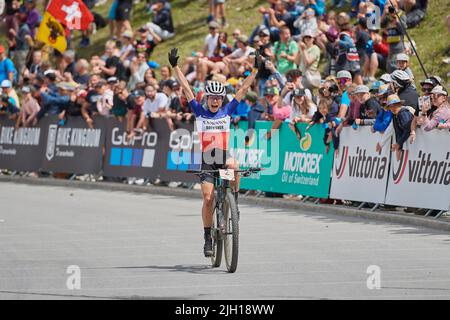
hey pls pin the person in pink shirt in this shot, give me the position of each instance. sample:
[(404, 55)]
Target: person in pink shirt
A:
[(440, 118)]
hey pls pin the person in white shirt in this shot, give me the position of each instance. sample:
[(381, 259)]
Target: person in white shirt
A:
[(236, 62)]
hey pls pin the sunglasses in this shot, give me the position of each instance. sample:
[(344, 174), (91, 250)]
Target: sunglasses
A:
[(426, 90), (215, 97)]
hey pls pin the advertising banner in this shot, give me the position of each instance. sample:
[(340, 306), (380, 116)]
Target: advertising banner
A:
[(73, 147), (421, 176), (178, 151), (20, 149), (290, 165), (359, 172), (133, 157)]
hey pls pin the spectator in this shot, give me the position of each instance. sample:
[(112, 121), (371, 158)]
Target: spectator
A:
[(415, 11), (111, 67), (440, 118), (138, 68), (136, 121), (7, 89), (402, 119), (302, 110), (81, 75), (106, 95), (285, 51), (384, 117), (122, 16), (30, 108), (344, 79), (402, 85), (369, 106), (156, 103), (347, 57), (220, 12), (8, 107), (7, 68), (307, 22), (23, 41), (403, 64), (33, 69), (122, 102), (146, 41), (394, 33), (237, 62), (54, 103), (127, 50), (162, 23), (308, 59)]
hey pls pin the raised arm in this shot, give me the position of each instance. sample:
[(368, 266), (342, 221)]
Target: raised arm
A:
[(173, 60), (249, 80)]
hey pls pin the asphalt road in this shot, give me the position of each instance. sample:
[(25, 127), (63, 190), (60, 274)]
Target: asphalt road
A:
[(143, 246)]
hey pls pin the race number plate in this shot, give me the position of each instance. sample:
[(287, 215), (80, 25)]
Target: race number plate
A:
[(227, 174)]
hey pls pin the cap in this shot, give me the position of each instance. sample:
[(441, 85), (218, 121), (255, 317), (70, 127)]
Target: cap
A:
[(361, 89), (49, 71), (308, 33), (112, 79), (264, 32), (394, 99), (439, 90), (427, 81), (138, 93), (344, 74), (299, 92), (383, 89), (6, 84), (213, 25), (242, 38), (256, 38), (269, 91), (402, 57), (386, 78), (142, 29), (2, 49), (436, 79), (168, 83), (251, 96), (375, 86), (66, 86), (26, 89), (153, 65), (127, 34)]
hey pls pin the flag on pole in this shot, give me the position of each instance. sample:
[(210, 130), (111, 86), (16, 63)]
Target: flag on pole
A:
[(52, 33), (74, 14)]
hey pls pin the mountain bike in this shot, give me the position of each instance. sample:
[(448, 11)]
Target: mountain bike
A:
[(225, 229)]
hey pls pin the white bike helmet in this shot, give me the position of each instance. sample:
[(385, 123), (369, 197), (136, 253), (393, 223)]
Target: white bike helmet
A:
[(400, 78), (215, 88)]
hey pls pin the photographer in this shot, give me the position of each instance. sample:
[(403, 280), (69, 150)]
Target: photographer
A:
[(394, 33)]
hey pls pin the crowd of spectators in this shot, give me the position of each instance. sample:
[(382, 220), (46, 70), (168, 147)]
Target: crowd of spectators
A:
[(321, 67)]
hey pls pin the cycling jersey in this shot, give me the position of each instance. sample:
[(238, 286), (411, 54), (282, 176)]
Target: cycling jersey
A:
[(213, 128)]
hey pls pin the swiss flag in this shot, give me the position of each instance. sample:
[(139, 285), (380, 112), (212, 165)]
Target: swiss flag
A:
[(72, 13)]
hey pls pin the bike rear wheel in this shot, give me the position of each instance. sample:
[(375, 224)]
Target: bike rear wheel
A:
[(231, 236), (216, 258)]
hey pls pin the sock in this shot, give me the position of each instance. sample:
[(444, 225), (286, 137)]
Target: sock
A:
[(207, 233)]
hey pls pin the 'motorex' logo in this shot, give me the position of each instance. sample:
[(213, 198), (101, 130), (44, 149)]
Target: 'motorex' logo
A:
[(306, 142)]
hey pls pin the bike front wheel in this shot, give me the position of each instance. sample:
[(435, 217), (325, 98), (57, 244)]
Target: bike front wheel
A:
[(231, 236)]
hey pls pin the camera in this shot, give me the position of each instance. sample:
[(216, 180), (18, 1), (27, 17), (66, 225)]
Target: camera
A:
[(391, 9)]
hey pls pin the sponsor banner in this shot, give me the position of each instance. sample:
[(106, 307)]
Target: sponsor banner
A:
[(73, 147), (20, 149), (291, 165), (421, 176), (133, 157), (178, 151), (359, 172)]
